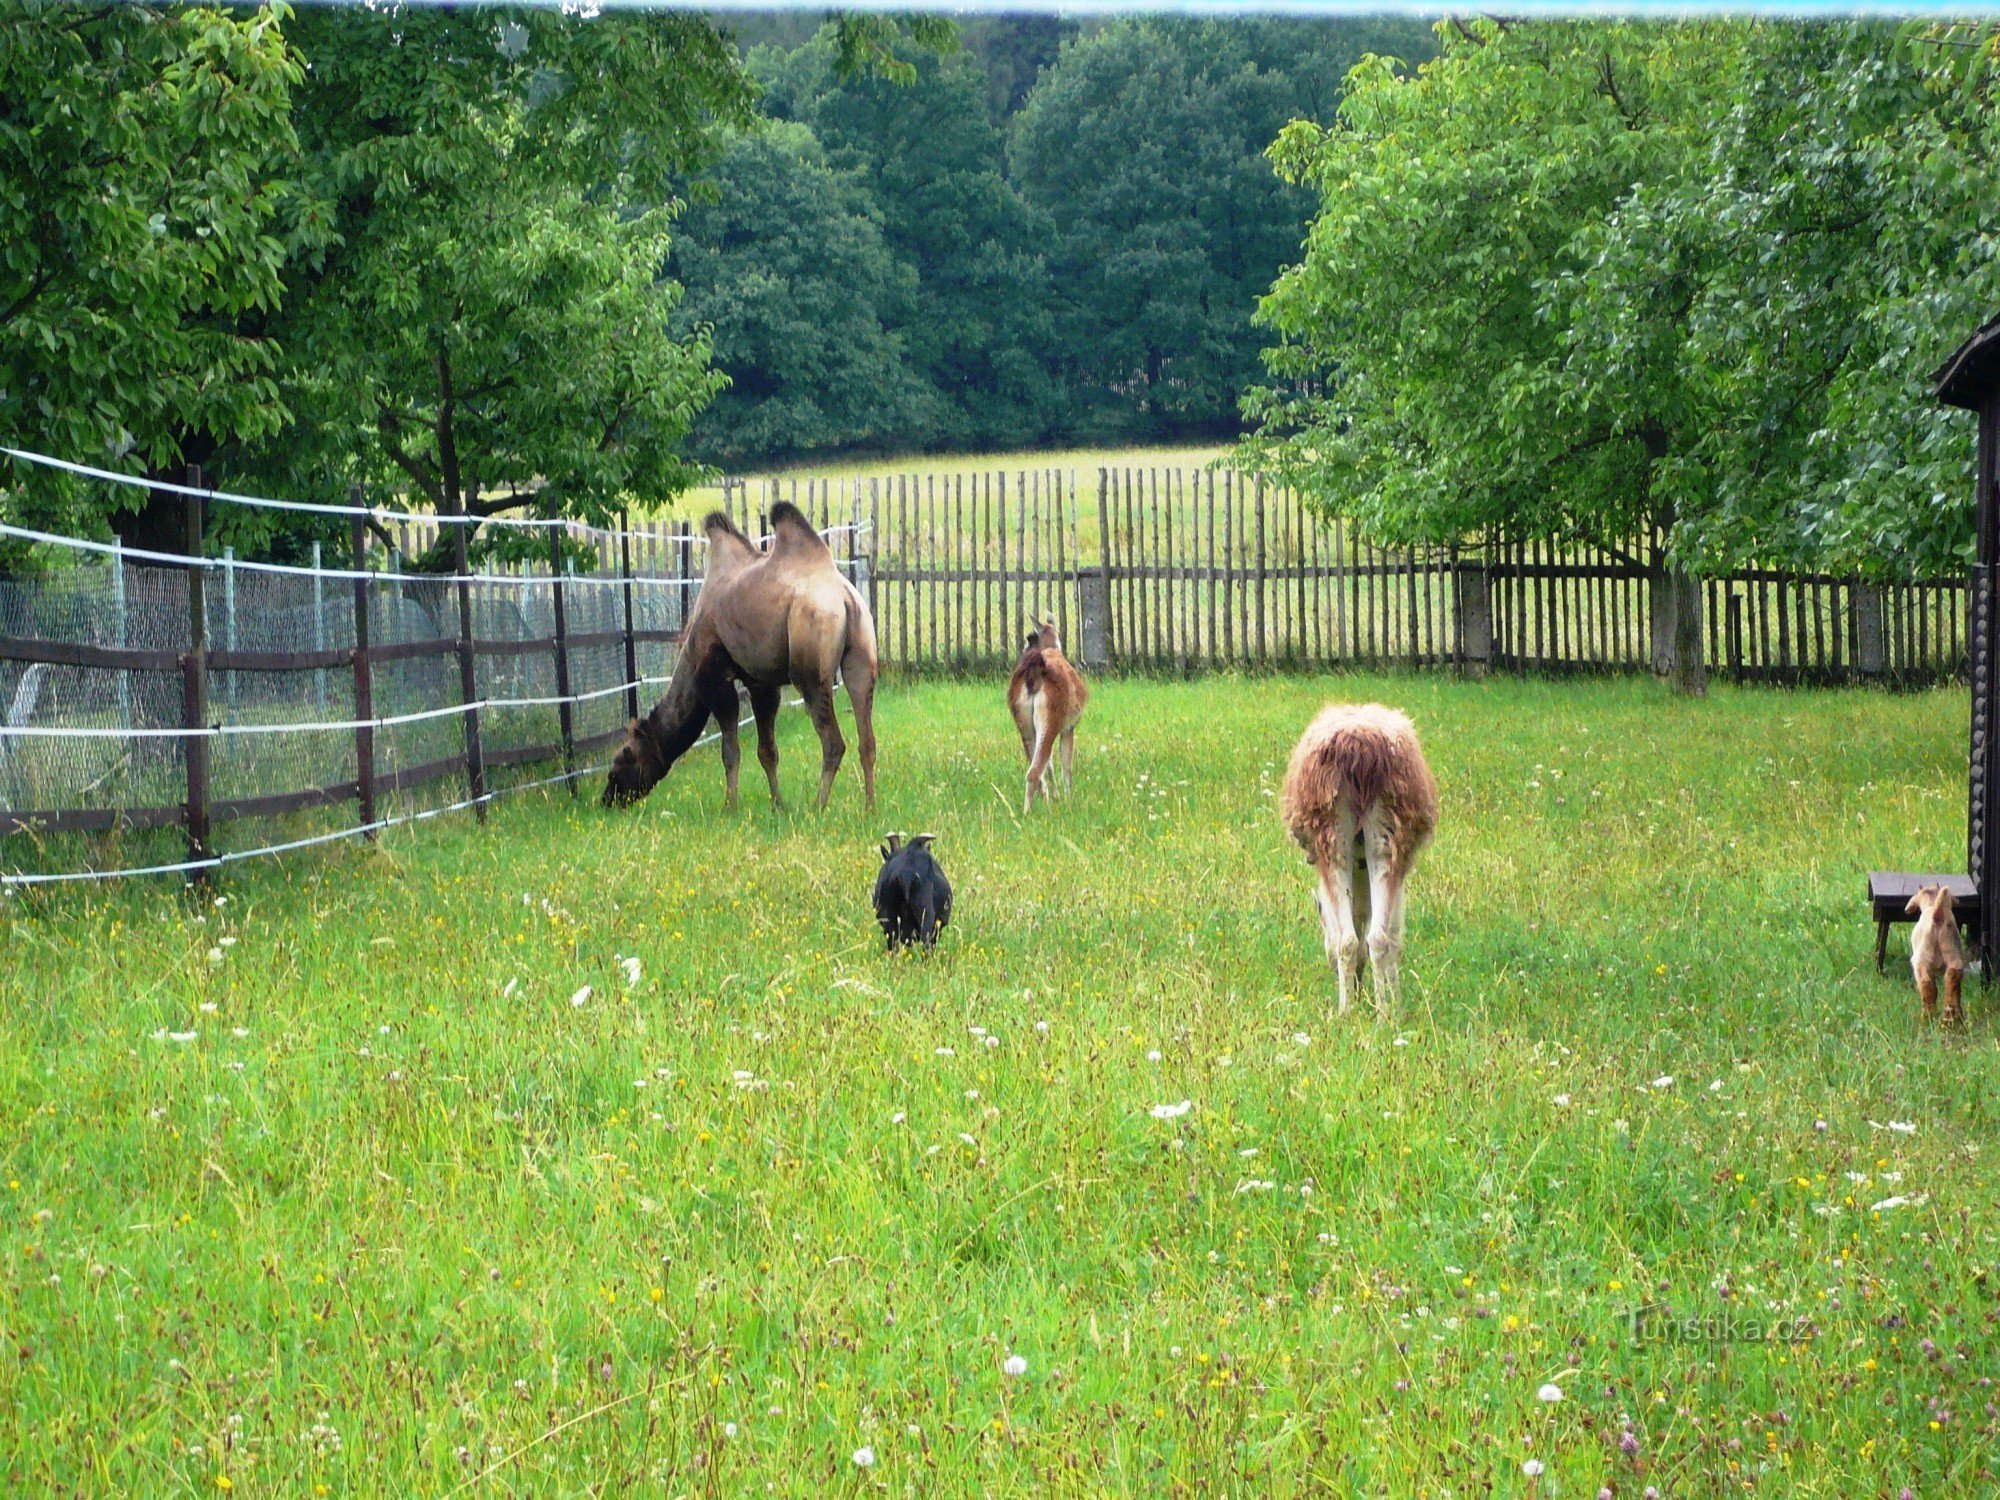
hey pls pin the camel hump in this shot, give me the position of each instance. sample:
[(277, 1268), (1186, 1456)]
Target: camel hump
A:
[(792, 533)]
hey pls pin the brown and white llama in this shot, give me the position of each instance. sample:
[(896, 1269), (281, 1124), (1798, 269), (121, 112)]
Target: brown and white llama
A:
[(1046, 695), (1358, 785)]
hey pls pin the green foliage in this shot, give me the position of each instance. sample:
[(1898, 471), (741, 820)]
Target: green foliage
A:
[(1585, 278), (1084, 232), (787, 267), (143, 208), (872, 44), (980, 330), (484, 311), (1143, 148)]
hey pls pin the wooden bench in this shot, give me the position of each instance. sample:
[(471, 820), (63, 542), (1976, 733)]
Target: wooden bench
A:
[(1889, 896)]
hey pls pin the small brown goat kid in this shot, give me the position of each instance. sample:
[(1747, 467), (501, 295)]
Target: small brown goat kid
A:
[(1358, 782), (1046, 696), (1935, 949)]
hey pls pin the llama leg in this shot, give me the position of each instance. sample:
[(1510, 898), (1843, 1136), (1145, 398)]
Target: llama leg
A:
[(1336, 908), (1385, 904), (857, 670), (764, 704), (1045, 744)]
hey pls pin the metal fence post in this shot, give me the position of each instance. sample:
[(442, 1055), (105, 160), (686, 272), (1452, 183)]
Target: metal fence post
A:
[(565, 718), (364, 686), (229, 614), (121, 628), (631, 640), (194, 683), (468, 677), (319, 631)]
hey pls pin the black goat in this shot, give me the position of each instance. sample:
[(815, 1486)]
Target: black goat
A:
[(912, 897)]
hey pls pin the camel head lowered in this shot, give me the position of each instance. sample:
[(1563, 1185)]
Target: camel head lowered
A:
[(637, 768)]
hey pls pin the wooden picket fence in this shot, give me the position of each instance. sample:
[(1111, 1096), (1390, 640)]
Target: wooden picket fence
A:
[(1177, 570)]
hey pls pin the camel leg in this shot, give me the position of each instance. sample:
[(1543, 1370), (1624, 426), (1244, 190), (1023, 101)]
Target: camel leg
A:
[(857, 670), (1385, 903), (1336, 908), (832, 748), (724, 704), (764, 705)]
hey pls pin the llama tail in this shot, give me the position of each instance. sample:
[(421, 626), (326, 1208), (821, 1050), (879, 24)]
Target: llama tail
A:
[(1360, 760)]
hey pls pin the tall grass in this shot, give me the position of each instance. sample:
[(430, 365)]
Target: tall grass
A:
[(337, 1182)]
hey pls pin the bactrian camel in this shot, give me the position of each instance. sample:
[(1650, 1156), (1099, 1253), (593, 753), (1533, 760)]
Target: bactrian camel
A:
[(1358, 785), (764, 619)]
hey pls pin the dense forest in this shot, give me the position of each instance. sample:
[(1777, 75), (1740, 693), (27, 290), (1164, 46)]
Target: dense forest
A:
[(1046, 233)]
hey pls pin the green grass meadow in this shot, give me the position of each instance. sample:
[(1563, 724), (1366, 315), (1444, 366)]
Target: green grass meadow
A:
[(334, 1181)]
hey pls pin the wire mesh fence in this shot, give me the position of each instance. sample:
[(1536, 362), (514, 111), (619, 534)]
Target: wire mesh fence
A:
[(143, 691)]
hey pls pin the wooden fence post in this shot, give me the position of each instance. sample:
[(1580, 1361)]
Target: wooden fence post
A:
[(468, 678), (1475, 615), (1094, 588), (874, 540), (1262, 571), (194, 684), (565, 715), (1871, 657), (683, 571), (364, 687), (631, 639)]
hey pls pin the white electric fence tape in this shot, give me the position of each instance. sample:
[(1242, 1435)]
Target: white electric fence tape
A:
[(190, 866), (263, 502)]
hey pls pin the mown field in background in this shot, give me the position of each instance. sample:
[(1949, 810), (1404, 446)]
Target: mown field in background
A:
[(1084, 461), (376, 1173)]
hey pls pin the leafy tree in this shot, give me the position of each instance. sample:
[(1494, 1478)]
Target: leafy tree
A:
[(1013, 52), (1798, 283), (1587, 280), (144, 155), (981, 330), (1438, 401), (786, 263), (1144, 148), (479, 311)]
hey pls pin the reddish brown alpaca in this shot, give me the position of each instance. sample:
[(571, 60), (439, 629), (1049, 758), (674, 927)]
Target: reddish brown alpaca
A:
[(1935, 949), (1358, 782), (1046, 695)]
